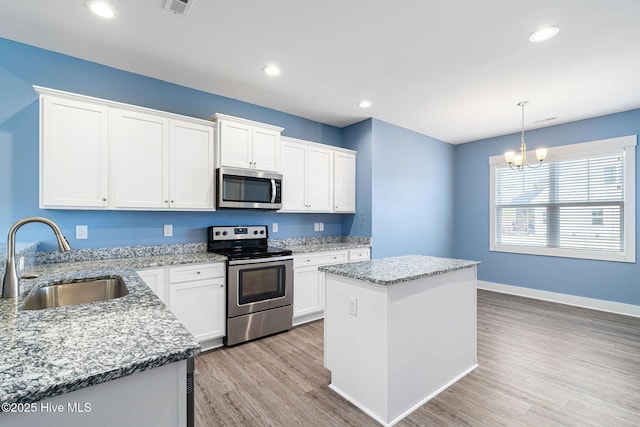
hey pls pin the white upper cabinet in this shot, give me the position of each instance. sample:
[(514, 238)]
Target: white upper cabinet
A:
[(73, 154), (317, 177), (294, 176), (192, 166), (344, 182), (246, 144), (139, 160), (307, 177), (98, 154)]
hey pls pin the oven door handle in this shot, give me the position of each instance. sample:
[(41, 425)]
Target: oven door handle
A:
[(261, 260)]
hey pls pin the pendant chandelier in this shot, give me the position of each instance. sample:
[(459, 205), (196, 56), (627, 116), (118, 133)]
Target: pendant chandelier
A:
[(519, 161)]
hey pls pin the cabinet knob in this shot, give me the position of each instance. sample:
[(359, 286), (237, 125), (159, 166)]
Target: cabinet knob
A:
[(172, 201), (197, 272), (166, 202), (104, 199)]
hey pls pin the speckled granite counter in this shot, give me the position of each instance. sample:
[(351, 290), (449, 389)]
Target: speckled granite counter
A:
[(388, 271), (321, 244), (50, 352)]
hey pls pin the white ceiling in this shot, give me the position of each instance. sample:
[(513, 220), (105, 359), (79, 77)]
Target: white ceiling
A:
[(450, 69)]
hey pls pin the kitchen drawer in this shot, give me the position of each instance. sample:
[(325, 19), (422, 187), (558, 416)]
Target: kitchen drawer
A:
[(360, 254), (320, 258), (196, 272)]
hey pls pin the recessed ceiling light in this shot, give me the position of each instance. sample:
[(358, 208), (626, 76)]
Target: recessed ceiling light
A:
[(271, 70), (364, 104), (102, 9), (544, 33)]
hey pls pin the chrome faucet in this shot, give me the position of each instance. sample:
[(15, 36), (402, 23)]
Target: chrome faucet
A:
[(10, 283)]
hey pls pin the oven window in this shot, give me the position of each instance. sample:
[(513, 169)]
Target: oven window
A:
[(260, 284), (246, 189)]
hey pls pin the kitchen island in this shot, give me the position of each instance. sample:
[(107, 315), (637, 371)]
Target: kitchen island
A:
[(398, 331), (116, 362)]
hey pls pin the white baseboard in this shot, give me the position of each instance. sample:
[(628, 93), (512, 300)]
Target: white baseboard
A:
[(592, 303)]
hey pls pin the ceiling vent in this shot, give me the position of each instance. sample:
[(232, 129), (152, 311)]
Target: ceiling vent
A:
[(178, 7)]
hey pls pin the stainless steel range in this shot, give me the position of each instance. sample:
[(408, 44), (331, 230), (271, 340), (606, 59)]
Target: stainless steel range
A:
[(259, 282)]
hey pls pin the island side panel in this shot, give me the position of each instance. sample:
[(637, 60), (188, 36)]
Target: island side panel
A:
[(432, 337), (155, 397), (356, 346)]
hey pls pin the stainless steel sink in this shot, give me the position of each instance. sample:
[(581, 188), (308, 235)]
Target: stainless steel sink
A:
[(91, 290)]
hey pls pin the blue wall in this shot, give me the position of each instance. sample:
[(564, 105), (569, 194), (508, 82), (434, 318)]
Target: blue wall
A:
[(359, 137), (604, 280), (404, 194), (22, 66)]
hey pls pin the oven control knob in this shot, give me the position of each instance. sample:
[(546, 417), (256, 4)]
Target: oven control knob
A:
[(224, 233), (217, 233), (261, 231), (255, 231)]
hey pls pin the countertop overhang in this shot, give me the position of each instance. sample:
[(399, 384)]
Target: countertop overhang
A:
[(389, 271)]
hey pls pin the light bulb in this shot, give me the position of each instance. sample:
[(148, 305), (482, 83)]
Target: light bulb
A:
[(517, 160), (541, 153), (509, 155)]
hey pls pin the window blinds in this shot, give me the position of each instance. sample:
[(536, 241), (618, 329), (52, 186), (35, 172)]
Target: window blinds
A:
[(575, 203)]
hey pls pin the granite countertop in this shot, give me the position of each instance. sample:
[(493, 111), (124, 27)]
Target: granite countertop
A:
[(322, 247), (54, 351), (322, 244), (388, 271)]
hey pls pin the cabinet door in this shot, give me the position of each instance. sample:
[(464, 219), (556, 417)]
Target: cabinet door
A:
[(308, 291), (319, 179), (235, 144), (266, 149), (294, 157), (139, 160), (344, 192), (155, 279), (192, 168), (73, 154), (200, 306)]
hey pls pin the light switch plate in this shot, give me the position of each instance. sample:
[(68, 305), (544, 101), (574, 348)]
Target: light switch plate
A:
[(353, 306), (168, 230)]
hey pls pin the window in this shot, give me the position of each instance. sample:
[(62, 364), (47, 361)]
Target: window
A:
[(580, 203)]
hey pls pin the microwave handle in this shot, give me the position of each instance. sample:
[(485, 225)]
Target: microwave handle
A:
[(273, 191)]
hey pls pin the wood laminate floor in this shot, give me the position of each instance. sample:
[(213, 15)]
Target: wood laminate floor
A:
[(541, 364)]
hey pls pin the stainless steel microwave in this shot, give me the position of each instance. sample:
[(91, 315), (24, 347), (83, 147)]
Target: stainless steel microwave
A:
[(248, 189)]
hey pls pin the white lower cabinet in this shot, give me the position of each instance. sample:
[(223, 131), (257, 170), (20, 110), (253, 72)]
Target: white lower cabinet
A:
[(155, 279), (196, 294), (308, 282)]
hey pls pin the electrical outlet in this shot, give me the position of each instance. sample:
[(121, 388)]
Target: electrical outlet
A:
[(321, 226), (274, 227), (316, 226), (82, 232), (353, 306), (168, 230)]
